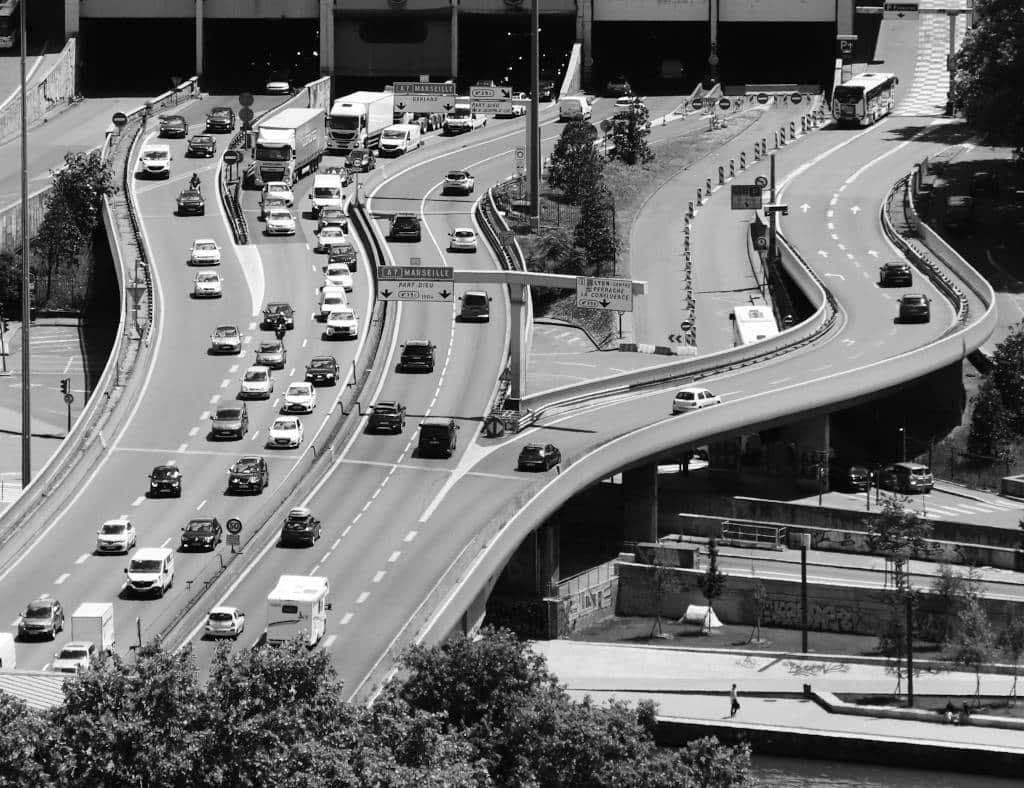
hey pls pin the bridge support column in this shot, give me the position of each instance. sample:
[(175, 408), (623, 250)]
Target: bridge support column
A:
[(585, 35), (455, 39), (200, 8), (522, 596), (518, 295), (640, 504), (71, 17), (326, 37)]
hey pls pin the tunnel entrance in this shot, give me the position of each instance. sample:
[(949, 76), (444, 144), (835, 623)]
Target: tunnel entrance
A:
[(243, 54), (135, 56), (662, 56), (498, 48)]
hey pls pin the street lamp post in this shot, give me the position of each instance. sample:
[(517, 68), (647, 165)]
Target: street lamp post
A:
[(903, 444), (805, 543), (26, 303)]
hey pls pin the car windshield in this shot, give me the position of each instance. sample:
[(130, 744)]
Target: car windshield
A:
[(163, 473), (918, 471), (475, 299), (688, 395), (330, 232), (278, 187), (343, 314), (279, 216), (337, 269), (326, 192), (456, 176), (385, 407), (297, 390), (405, 221), (202, 139), (207, 277), (158, 155), (221, 617), (144, 565), (246, 466), (417, 350), (257, 375), (226, 333), (112, 528), (199, 527), (532, 451), (464, 234), (460, 112), (343, 249), (393, 134), (73, 653), (356, 157), (321, 363), (205, 246), (38, 610), (846, 94), (285, 424), (174, 120), (270, 347), (229, 413)]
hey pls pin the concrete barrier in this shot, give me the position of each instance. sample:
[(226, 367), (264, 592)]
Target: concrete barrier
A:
[(53, 92)]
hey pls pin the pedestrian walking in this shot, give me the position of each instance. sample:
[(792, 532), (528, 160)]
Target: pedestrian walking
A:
[(734, 701)]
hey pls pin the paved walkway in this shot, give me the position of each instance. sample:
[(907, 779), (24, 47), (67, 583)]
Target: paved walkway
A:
[(928, 92)]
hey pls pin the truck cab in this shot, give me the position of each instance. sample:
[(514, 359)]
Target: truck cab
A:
[(326, 193)]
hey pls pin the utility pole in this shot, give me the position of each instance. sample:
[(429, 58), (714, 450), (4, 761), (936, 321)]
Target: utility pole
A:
[(26, 298), (533, 126), (805, 543), (910, 647)]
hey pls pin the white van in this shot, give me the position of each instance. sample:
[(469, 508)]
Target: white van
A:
[(400, 138), (574, 108), (327, 192), (151, 570), (155, 161), (332, 298)]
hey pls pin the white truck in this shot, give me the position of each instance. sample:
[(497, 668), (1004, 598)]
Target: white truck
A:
[(356, 120), (94, 622), (462, 118), (297, 606), (288, 145)]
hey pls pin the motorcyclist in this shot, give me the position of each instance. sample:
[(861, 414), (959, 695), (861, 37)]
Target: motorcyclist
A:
[(194, 183)]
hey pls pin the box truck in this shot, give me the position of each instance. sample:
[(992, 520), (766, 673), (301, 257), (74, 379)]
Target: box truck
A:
[(297, 606), (356, 120), (288, 145), (94, 622)]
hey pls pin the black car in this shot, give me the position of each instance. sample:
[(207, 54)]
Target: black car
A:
[(173, 126), (191, 201), (984, 182), (405, 226), (851, 478), (387, 415), (300, 527), (535, 457), (165, 480), (220, 119), (42, 617), (915, 308), (322, 370), (278, 314), (895, 275), (360, 160), (618, 87), (201, 145), (344, 253), (249, 474), (417, 354), (546, 90), (201, 533)]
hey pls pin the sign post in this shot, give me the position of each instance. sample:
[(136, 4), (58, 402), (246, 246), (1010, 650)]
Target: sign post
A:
[(424, 96), (596, 292), (234, 528), (422, 283)]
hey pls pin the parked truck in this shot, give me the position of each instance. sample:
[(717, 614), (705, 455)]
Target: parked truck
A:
[(356, 120), (297, 606), (288, 145), (94, 622)]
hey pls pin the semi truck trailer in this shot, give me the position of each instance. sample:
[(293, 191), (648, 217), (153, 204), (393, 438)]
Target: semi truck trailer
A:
[(288, 145)]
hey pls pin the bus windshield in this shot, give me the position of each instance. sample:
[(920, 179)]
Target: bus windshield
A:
[(848, 93)]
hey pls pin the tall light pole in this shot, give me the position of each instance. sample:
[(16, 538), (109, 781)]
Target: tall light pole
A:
[(533, 126), (26, 403)]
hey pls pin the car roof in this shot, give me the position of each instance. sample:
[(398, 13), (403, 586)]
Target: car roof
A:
[(204, 241), (323, 358), (277, 305), (258, 367), (117, 520), (223, 609), (436, 421), (226, 327), (165, 468), (417, 342), (464, 230), (299, 511), (86, 644), (913, 466), (230, 403), (692, 390), (300, 383), (151, 553)]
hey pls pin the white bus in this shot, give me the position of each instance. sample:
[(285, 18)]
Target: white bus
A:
[(864, 99), (752, 323), (9, 24)]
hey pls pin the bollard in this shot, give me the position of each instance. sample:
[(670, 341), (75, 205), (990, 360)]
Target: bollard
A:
[(764, 146), (707, 187), (803, 124), (689, 209), (721, 175), (743, 160), (732, 168), (700, 198), (792, 129), (776, 145), (757, 150)]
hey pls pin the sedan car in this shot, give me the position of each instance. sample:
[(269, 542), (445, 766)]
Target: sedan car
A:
[(75, 657), (226, 339), (300, 527), (43, 617), (272, 354), (322, 370), (619, 86), (280, 189), (537, 457), (342, 323), (895, 275), (207, 284), (173, 126), (257, 383), (116, 536), (329, 236), (338, 275), (191, 203), (224, 622), (332, 217), (278, 313), (165, 480), (387, 415), (269, 202), (285, 432), (220, 119), (458, 182), (248, 474), (278, 85), (462, 239), (201, 533), (280, 222), (201, 145), (694, 399), (205, 251), (915, 307), (360, 160), (344, 253), (299, 397)]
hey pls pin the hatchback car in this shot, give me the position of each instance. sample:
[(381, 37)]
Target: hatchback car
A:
[(329, 236), (458, 182), (191, 203), (476, 307), (220, 119), (338, 275), (224, 622), (226, 339), (300, 527), (462, 239), (116, 536), (895, 274), (344, 253), (386, 415), (74, 657), (201, 533), (205, 251), (906, 477), (537, 457), (280, 222), (852, 478), (173, 126), (278, 313), (299, 397), (165, 480), (281, 190), (417, 354), (272, 354), (332, 298), (405, 227), (619, 86), (915, 308), (207, 284), (342, 323), (332, 217), (693, 399), (201, 145), (257, 383), (43, 617), (248, 474), (285, 433), (360, 160)]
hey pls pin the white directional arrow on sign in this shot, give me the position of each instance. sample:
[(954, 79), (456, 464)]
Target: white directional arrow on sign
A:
[(855, 209), (804, 207)]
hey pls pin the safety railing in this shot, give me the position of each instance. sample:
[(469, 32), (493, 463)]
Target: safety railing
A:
[(758, 534)]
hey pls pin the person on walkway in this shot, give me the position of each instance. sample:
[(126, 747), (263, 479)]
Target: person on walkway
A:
[(965, 715), (949, 711), (734, 701)]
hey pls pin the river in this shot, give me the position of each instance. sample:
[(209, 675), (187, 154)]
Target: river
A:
[(775, 772)]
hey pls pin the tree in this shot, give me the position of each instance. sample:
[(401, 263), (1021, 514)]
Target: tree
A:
[(1012, 643), (759, 600), (1007, 371), (892, 632), (711, 583), (59, 244), (575, 166), (662, 575), (595, 232), (990, 72), (898, 534), (709, 764), (80, 186), (25, 745), (974, 642), (953, 589), (990, 434), (629, 132)]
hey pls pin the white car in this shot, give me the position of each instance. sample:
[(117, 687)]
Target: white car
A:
[(299, 398), (205, 251), (278, 87), (280, 222), (281, 190), (623, 103), (256, 382), (207, 284), (694, 399), (338, 275), (74, 657), (458, 182), (332, 298), (462, 239), (342, 323), (285, 432), (226, 622), (116, 536), (226, 339), (328, 237)]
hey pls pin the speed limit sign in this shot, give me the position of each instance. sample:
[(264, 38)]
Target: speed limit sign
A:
[(520, 159)]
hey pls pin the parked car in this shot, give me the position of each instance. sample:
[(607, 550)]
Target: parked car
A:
[(538, 457), (906, 477)]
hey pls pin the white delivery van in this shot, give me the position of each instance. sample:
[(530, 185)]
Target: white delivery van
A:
[(155, 161), (7, 660), (400, 138), (151, 570), (574, 108), (297, 606), (327, 192), (94, 622)]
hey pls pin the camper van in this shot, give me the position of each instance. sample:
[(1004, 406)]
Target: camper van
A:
[(297, 607)]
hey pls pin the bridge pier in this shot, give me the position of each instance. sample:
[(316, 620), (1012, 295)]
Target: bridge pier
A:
[(326, 36), (199, 37), (519, 297), (640, 504), (521, 599)]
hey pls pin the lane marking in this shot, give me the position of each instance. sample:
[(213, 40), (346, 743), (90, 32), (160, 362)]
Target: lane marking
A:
[(362, 597), (394, 556), (410, 536), (82, 559), (345, 619), (336, 543), (202, 503), (182, 447), (379, 576), (62, 578), (138, 501)]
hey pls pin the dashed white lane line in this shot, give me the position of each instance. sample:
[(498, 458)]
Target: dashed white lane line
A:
[(167, 541), (193, 432), (356, 518), (215, 399), (304, 342), (16, 622), (62, 578), (362, 597), (366, 506), (410, 536), (253, 326), (336, 543), (81, 559), (138, 501), (379, 576), (345, 619), (204, 415), (225, 383), (233, 369), (255, 435), (182, 448), (330, 641), (345, 532), (202, 503), (394, 556)]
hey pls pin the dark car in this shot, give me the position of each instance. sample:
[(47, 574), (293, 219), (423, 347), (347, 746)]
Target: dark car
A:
[(344, 253), (476, 307), (360, 160), (201, 145), (277, 314), (546, 90), (201, 533), (437, 437), (248, 474), (165, 480), (428, 121), (173, 126), (191, 202), (220, 119), (272, 354), (984, 182), (895, 275), (404, 226), (535, 457), (619, 86), (322, 370), (229, 420), (300, 527), (915, 307), (851, 478), (43, 617), (387, 415), (906, 477), (417, 354)]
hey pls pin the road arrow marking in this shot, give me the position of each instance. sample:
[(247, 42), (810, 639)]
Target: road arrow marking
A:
[(805, 207), (839, 276), (855, 209), (872, 252)]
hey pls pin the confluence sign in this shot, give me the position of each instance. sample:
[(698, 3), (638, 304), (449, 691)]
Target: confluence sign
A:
[(415, 283), (424, 96), (746, 197), (595, 292)]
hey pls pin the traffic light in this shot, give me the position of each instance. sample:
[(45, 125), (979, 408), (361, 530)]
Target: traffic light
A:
[(65, 385)]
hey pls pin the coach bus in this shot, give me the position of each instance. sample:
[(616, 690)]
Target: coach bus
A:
[(864, 99), (9, 10), (752, 323)]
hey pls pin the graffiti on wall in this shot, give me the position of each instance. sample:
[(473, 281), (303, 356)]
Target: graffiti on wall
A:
[(821, 617), (587, 602)]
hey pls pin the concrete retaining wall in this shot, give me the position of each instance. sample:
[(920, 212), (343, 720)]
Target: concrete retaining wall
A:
[(53, 91)]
